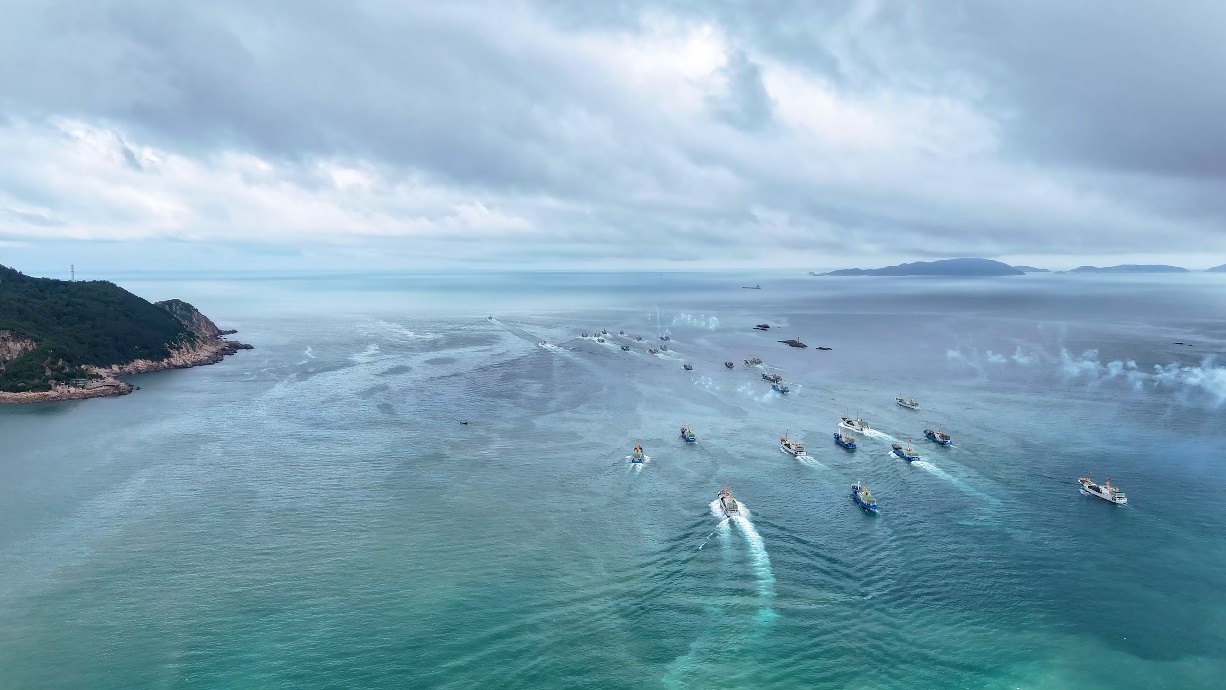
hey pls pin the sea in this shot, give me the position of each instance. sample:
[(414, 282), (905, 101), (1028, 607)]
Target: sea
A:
[(424, 480)]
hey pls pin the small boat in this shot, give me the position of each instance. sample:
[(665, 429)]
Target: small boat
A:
[(625, 348), (599, 339), (729, 365), (773, 378), (906, 453), (665, 337), (653, 350), (781, 388), (687, 366), (857, 425), (727, 503), (638, 338), (823, 347), (583, 334), (793, 342), (621, 332), (845, 441), (603, 332), (1106, 491), (753, 362), (687, 434), (791, 446), (751, 287), (663, 348), (762, 327), (937, 436), (637, 456), (908, 403), (864, 499)]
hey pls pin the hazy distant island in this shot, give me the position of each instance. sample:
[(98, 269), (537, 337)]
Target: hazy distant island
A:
[(1217, 269), (1031, 269), (1130, 268), (943, 267), (67, 340)]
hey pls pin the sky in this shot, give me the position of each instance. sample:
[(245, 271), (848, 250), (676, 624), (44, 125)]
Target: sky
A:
[(622, 134)]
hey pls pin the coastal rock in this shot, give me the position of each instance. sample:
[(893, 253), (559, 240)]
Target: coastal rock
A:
[(191, 317), (101, 388), (13, 346)]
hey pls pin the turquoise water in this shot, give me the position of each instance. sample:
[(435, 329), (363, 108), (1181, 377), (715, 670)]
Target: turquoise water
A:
[(313, 514)]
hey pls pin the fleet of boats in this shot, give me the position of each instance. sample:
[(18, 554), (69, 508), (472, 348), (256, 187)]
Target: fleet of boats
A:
[(859, 491)]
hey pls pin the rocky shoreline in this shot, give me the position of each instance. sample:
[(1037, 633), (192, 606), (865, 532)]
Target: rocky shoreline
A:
[(209, 351)]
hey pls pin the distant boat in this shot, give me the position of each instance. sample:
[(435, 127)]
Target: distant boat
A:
[(864, 499), (666, 337), (773, 378), (727, 503), (762, 327), (637, 456), (781, 388), (908, 403), (791, 446), (638, 338), (621, 332), (687, 434), (1106, 492), (664, 348), (583, 334), (751, 287), (753, 362), (653, 350), (939, 437), (857, 425), (845, 441), (687, 366), (625, 348), (906, 453), (729, 365), (793, 342)]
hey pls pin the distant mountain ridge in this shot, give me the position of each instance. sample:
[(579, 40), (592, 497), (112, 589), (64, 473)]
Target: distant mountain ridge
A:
[(1217, 269), (1031, 269), (968, 267), (1131, 268)]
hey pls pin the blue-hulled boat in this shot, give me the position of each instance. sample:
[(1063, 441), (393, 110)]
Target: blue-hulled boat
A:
[(687, 434), (938, 437), (907, 453), (864, 499), (845, 441), (781, 388), (637, 456)]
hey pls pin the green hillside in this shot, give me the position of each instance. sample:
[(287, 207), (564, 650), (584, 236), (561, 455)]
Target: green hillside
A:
[(75, 324)]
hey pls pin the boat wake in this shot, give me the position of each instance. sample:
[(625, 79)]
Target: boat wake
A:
[(962, 486), (761, 563), (551, 347), (638, 466), (367, 355)]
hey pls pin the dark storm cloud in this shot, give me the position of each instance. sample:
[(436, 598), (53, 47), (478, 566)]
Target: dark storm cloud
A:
[(632, 128)]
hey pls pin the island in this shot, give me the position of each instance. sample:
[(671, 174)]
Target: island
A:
[(1031, 269), (69, 340), (1130, 268), (943, 267), (1217, 269)]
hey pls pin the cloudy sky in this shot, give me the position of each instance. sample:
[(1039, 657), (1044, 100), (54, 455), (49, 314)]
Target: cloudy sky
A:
[(617, 134)]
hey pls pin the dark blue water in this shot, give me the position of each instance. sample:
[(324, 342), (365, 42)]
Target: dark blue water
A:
[(312, 513)]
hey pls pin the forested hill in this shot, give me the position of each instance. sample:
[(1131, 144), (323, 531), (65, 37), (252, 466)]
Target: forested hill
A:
[(49, 329)]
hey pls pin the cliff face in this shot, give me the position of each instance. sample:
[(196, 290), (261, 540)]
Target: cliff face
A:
[(13, 346), (189, 316)]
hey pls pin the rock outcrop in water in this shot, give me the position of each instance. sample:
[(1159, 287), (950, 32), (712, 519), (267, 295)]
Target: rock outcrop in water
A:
[(66, 340)]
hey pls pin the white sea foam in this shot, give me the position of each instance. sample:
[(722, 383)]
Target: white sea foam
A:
[(963, 486), (760, 560), (367, 355), (308, 352)]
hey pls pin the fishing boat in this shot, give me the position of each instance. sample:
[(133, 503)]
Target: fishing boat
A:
[(938, 437), (653, 350), (791, 446), (857, 425), (603, 332), (666, 337), (638, 338), (621, 332), (637, 456), (773, 378), (625, 348), (781, 388), (862, 497), (687, 434), (908, 403), (583, 334), (751, 287), (729, 365), (1106, 492), (905, 452), (687, 366), (844, 440), (727, 503), (753, 362), (664, 348)]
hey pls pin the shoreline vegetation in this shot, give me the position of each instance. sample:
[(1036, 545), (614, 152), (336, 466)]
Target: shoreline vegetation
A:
[(67, 340)]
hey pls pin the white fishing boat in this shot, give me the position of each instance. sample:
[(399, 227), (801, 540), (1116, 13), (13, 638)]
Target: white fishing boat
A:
[(857, 425), (791, 446), (728, 504), (909, 403), (1106, 491)]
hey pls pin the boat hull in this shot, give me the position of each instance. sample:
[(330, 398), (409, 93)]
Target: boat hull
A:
[(939, 442), (689, 440), (867, 507), (844, 444), (904, 456), (851, 427)]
